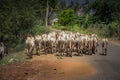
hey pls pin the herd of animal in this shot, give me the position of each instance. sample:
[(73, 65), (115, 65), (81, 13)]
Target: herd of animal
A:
[(64, 43)]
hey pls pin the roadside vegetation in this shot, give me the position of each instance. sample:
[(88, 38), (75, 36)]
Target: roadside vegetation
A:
[(14, 57), (101, 17), (19, 17)]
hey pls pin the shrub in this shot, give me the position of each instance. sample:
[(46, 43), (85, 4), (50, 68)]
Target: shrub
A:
[(19, 46), (66, 17), (11, 58)]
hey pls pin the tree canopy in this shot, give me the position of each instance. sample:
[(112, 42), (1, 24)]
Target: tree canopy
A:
[(18, 17), (106, 10), (67, 17)]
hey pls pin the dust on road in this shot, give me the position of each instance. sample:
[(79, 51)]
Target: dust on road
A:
[(48, 67)]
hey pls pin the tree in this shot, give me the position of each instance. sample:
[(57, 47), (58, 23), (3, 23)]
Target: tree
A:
[(66, 17), (74, 5), (62, 5), (51, 6), (18, 17), (47, 11), (15, 17), (105, 9)]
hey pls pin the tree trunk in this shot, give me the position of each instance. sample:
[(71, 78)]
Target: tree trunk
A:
[(47, 11)]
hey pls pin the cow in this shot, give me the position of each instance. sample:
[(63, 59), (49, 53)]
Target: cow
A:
[(85, 42), (30, 45), (63, 42), (38, 40), (95, 43), (104, 45), (45, 43), (69, 47), (77, 45), (3, 50)]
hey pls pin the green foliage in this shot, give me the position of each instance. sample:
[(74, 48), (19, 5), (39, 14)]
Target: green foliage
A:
[(36, 29), (104, 21), (39, 29), (77, 28), (15, 57), (85, 20), (106, 10), (19, 46), (66, 17), (62, 5), (18, 17), (114, 28), (15, 17), (74, 5)]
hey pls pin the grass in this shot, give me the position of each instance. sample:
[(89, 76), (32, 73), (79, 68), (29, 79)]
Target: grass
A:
[(75, 28), (14, 57)]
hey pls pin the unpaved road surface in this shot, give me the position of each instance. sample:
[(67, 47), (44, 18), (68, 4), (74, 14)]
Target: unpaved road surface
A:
[(50, 67)]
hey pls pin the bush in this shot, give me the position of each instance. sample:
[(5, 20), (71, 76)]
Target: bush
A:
[(11, 58), (19, 46), (66, 17), (37, 28), (114, 28)]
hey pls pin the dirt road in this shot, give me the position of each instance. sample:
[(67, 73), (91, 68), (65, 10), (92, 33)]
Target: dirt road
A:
[(50, 67)]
